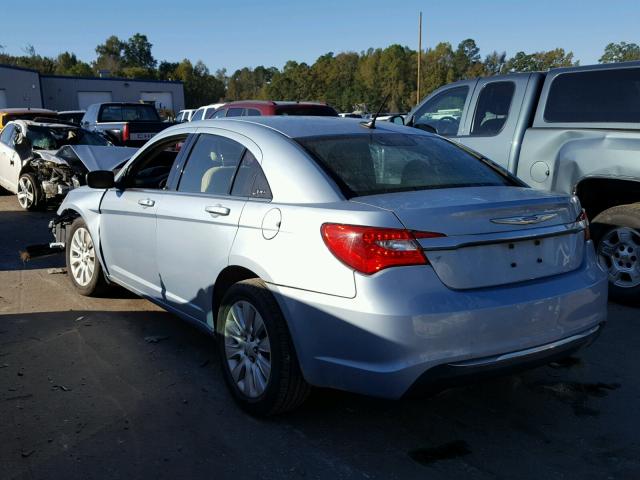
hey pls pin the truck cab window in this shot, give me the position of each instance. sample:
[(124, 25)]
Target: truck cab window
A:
[(443, 112), (492, 110)]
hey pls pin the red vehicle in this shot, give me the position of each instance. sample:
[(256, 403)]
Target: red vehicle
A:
[(249, 108)]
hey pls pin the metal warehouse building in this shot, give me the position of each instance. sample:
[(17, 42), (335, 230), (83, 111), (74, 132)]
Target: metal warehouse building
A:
[(20, 87)]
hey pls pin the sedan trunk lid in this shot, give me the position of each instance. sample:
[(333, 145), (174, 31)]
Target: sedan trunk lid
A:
[(494, 235)]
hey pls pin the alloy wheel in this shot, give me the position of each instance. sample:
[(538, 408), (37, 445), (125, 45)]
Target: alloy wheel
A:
[(26, 192), (247, 349), (82, 257), (618, 253)]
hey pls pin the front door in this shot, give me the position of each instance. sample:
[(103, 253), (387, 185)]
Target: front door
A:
[(10, 162), (128, 218), (196, 229)]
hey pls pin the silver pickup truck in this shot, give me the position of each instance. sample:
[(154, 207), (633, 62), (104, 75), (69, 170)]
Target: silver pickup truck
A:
[(573, 130)]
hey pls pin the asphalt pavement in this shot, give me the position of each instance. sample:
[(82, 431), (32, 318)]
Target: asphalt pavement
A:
[(116, 388)]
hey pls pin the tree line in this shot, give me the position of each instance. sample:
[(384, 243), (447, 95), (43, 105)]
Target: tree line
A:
[(346, 80)]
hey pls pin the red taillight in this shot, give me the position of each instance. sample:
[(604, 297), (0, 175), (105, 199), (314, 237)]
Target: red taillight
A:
[(370, 249), (583, 218), (125, 132)]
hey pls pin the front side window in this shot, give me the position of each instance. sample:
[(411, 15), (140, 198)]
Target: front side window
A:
[(443, 112), (152, 168), (371, 164), (600, 96), (211, 165), (198, 115), (493, 108)]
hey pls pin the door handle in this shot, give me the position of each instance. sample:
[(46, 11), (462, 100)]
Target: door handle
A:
[(146, 202), (217, 210)]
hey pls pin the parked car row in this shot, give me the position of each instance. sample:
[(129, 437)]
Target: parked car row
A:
[(255, 108)]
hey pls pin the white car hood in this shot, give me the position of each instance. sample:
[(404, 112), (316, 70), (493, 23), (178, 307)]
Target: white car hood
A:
[(93, 157)]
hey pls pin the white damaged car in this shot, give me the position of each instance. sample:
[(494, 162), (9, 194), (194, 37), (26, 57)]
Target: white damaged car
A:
[(41, 161)]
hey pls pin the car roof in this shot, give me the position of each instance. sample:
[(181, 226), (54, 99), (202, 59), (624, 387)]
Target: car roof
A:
[(25, 110), (302, 126), (273, 103)]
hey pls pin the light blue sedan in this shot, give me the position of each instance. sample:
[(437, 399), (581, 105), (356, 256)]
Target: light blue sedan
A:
[(334, 253)]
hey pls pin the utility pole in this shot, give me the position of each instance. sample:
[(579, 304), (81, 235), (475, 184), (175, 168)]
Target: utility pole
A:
[(419, 56)]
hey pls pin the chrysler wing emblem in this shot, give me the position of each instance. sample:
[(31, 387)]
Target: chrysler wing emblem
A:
[(525, 219)]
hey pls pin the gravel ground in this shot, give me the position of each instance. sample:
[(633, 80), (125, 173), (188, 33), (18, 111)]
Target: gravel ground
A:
[(116, 388)]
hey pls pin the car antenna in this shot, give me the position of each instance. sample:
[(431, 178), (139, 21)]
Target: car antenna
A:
[(372, 124)]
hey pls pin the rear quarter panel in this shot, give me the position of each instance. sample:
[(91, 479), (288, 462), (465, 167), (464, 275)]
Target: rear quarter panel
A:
[(571, 155)]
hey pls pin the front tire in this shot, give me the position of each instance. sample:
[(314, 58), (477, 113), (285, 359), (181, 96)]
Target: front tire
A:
[(29, 193), (83, 266), (259, 362)]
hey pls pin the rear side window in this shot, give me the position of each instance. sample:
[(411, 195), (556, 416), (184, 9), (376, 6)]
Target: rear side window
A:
[(371, 164), (250, 180), (252, 112), (601, 96), (235, 112), (211, 165), (128, 113), (493, 107)]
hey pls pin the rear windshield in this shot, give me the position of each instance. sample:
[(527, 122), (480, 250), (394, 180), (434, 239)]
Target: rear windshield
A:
[(599, 96), (306, 110), (370, 164), (129, 113)]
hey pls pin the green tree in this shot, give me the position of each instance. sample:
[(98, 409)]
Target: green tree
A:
[(68, 64), (620, 52), (137, 52), (539, 61), (110, 55)]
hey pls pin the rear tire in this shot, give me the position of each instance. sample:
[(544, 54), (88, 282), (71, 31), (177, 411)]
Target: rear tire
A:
[(29, 192), (618, 248), (83, 265), (259, 361)]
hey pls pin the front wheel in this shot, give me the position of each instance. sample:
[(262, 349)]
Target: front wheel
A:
[(83, 266), (258, 359), (29, 193)]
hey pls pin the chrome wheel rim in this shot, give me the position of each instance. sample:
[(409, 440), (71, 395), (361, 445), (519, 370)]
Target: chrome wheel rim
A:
[(618, 253), (247, 349), (82, 258), (25, 192)]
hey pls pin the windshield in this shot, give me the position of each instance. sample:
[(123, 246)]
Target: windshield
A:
[(370, 164), (50, 138)]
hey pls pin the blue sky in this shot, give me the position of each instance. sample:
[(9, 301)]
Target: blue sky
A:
[(239, 33)]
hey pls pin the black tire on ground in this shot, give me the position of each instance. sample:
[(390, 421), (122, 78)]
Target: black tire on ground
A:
[(619, 226), (97, 284), (34, 186), (286, 388)]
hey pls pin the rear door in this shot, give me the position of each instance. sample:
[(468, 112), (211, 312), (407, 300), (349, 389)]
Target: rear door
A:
[(198, 226)]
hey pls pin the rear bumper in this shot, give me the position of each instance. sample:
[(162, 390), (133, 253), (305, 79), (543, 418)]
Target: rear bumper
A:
[(405, 327)]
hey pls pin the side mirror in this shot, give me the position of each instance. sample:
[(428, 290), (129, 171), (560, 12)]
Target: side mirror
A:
[(397, 119), (426, 128), (101, 179)]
